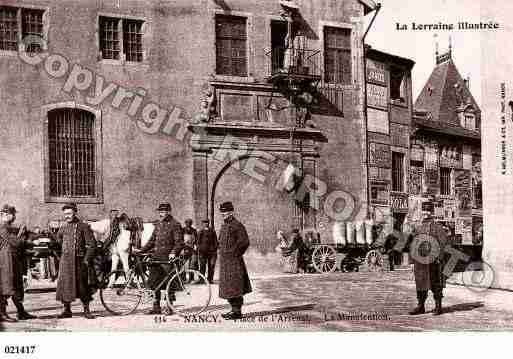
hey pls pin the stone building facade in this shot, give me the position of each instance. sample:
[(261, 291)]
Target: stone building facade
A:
[(445, 158), (125, 104)]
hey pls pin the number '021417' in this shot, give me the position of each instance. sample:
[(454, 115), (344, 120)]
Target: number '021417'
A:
[(19, 349)]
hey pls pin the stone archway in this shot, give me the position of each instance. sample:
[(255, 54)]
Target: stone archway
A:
[(258, 143)]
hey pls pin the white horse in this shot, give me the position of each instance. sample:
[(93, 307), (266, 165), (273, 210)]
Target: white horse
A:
[(120, 247)]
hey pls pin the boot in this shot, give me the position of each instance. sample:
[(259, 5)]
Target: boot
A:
[(87, 312), (420, 308), (438, 306), (156, 309), (66, 313), (22, 313)]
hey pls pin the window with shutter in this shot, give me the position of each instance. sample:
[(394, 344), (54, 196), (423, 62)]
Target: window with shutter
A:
[(231, 42), (337, 55)]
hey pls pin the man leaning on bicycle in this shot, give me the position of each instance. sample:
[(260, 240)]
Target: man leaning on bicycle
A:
[(166, 243)]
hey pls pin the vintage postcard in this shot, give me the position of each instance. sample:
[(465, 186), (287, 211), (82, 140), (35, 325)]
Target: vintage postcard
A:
[(244, 165)]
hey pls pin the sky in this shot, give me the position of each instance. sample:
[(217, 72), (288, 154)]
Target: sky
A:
[(420, 45)]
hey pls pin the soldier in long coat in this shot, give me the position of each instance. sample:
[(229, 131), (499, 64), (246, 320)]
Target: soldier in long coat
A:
[(427, 252), (18, 243), (77, 278), (233, 275), (166, 242)]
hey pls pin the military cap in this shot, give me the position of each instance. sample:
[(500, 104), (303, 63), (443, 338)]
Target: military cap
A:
[(72, 206), (205, 221), (164, 207), (8, 209), (226, 207), (188, 220)]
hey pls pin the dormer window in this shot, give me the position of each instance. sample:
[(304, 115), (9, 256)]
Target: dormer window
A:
[(468, 120)]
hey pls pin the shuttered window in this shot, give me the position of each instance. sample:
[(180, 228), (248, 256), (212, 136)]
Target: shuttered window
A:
[(397, 172), (231, 42), (71, 152), (337, 55)]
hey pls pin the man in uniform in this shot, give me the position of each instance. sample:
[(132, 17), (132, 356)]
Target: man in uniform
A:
[(207, 249), (19, 243), (166, 242), (190, 238), (233, 275), (427, 252), (77, 278)]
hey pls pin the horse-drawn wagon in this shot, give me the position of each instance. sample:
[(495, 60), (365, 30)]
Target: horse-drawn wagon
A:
[(354, 245)]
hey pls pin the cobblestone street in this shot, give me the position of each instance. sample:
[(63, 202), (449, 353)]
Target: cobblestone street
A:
[(334, 301)]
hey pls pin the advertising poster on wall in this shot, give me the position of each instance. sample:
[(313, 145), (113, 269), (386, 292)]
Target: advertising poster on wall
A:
[(464, 198)]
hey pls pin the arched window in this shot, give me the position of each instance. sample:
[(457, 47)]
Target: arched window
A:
[(71, 154)]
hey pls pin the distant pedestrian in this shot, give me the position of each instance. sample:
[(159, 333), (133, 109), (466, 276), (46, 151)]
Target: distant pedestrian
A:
[(77, 277), (427, 252), (207, 250), (190, 239), (233, 275)]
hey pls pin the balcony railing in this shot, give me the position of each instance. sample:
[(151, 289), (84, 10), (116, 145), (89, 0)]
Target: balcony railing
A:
[(300, 64)]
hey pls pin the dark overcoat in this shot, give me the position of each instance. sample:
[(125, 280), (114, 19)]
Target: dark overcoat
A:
[(167, 238), (207, 242), (76, 271), (19, 244), (429, 273), (233, 275), (6, 262)]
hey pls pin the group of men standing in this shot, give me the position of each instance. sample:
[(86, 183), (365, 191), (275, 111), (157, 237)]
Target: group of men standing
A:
[(77, 276)]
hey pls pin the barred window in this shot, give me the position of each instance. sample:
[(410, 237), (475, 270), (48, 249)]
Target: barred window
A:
[(32, 25), (8, 28), (71, 151), (397, 172), (132, 40), (337, 55), (445, 181), (231, 39)]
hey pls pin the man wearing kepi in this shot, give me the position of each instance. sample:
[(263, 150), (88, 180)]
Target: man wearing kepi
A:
[(233, 275), (76, 270), (13, 264), (427, 251), (166, 242)]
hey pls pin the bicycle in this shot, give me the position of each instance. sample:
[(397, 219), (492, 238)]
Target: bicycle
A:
[(122, 293)]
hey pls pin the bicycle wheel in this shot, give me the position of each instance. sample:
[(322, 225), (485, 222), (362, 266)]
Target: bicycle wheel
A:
[(189, 298), (121, 295)]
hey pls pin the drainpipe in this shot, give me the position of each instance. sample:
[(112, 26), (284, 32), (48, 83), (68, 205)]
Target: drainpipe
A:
[(378, 8)]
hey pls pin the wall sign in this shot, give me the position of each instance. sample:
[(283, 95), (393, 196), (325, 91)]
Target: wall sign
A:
[(451, 156), (417, 154), (464, 198), (376, 72), (399, 134), (462, 178), (379, 193), (377, 121), (379, 155), (415, 183), (464, 228), (381, 174), (399, 202), (377, 96)]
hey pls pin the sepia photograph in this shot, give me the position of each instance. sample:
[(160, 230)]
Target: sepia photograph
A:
[(255, 165)]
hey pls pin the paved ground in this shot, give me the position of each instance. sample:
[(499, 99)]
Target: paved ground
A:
[(334, 301)]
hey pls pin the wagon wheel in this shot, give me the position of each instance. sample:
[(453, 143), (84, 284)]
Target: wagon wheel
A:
[(374, 260), (324, 259)]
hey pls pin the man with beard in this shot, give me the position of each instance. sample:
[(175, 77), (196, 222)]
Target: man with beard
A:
[(233, 275), (13, 264), (76, 272), (166, 243)]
